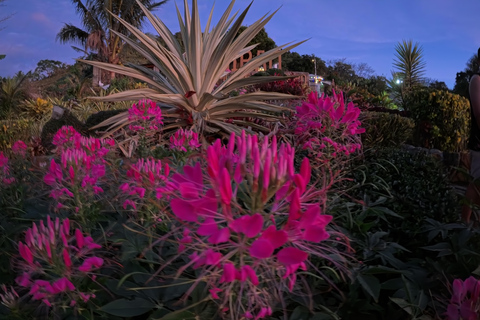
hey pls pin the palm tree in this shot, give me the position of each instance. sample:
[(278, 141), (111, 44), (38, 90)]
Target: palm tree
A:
[(409, 70), (99, 34)]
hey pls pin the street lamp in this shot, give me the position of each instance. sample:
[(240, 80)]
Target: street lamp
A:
[(314, 60)]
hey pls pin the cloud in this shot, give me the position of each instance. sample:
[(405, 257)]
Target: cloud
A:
[(40, 17)]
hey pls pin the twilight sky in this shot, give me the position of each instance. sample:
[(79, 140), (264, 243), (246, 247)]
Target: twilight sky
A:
[(358, 30)]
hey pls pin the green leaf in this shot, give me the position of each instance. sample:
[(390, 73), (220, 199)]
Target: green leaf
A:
[(370, 284), (300, 313), (380, 270), (322, 316), (128, 308), (180, 315), (2, 56), (403, 304)]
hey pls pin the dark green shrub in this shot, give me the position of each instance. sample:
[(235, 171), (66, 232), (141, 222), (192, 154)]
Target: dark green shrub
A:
[(385, 129), (442, 120), (401, 216), (53, 125), (417, 184)]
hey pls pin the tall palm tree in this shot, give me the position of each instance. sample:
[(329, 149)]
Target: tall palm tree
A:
[(99, 34), (409, 62), (409, 70)]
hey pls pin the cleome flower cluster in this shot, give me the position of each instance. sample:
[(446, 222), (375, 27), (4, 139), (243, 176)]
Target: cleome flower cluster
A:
[(80, 169), (55, 261), (323, 123), (243, 225)]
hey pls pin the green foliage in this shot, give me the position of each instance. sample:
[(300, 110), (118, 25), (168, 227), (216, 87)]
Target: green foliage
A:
[(416, 182), (400, 212), (341, 72), (262, 40), (53, 125), (385, 129), (36, 109), (11, 93), (462, 79), (293, 61), (442, 119), (409, 62), (14, 129), (46, 68), (408, 74)]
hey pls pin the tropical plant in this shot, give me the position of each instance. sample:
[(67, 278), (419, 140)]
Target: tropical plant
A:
[(385, 129), (37, 108), (187, 82), (409, 70), (11, 92), (100, 30)]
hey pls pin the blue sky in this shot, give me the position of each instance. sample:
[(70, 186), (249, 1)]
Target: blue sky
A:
[(358, 30)]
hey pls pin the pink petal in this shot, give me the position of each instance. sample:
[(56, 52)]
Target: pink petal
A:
[(315, 234), (229, 273), (225, 186), (250, 273), (206, 206), (79, 237), (208, 228), (214, 292), (220, 236), (188, 190), (183, 210), (453, 312), (261, 249), (290, 255), (305, 170), (294, 212), (277, 238), (194, 174), (300, 183), (212, 258), (66, 258), (255, 225), (248, 225)]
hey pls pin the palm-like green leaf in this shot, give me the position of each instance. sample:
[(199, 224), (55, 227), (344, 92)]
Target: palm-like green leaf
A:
[(409, 62), (207, 55), (71, 33)]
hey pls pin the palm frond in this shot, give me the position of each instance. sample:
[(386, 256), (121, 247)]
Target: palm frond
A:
[(71, 33)]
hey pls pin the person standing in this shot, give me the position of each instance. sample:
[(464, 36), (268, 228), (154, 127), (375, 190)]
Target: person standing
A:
[(473, 190)]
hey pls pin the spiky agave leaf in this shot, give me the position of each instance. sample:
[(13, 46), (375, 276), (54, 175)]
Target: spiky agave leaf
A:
[(207, 55)]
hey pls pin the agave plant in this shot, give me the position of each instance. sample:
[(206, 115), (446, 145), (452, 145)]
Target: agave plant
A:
[(186, 84)]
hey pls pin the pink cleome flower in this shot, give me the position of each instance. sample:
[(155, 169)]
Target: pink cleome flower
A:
[(236, 246), (6, 177), (325, 123), (66, 256), (19, 148), (465, 302), (145, 113), (82, 164), (184, 140)]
